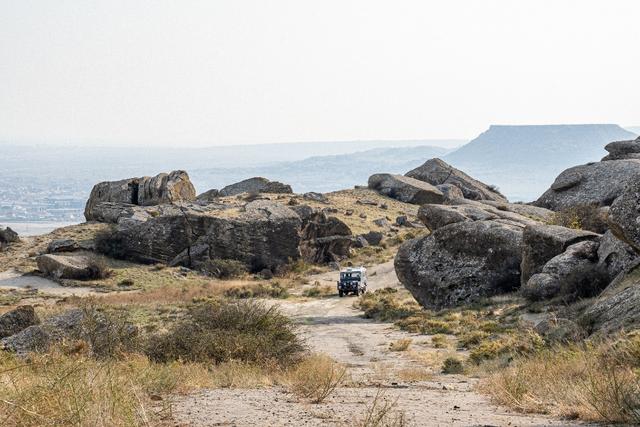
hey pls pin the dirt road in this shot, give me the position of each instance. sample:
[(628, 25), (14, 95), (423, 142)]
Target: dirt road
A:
[(412, 378)]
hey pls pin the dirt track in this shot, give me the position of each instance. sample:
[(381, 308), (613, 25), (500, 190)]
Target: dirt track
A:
[(332, 326)]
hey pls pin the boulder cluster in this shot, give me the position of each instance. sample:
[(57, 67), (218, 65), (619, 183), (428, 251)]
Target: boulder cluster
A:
[(481, 245), (160, 220)]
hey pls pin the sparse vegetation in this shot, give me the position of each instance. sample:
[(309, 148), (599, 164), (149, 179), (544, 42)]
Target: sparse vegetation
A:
[(385, 305), (317, 290), (452, 365), (225, 268), (258, 290), (382, 412), (585, 217), (316, 377), (401, 344)]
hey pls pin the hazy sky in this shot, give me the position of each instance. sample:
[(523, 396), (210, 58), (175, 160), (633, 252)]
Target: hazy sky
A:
[(228, 72)]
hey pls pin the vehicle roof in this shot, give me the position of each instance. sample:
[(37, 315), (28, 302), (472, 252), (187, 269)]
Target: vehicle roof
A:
[(353, 270)]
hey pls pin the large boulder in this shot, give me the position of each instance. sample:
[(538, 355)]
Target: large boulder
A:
[(208, 196), (541, 242), (18, 319), (145, 191), (7, 235), (624, 216), (451, 192), (404, 189), (572, 274), (325, 239), (255, 185), (438, 172), (596, 184), (615, 257), (461, 263), (262, 234), (78, 267), (623, 150)]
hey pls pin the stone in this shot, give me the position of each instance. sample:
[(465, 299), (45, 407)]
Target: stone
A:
[(160, 189), (541, 242), (405, 189), (209, 196), (571, 275), (373, 237), (451, 192), (62, 245), (381, 222), (315, 197), (597, 184), (325, 239), (560, 331), (622, 150), (624, 215), (17, 320), (7, 236), (615, 257), (76, 267), (255, 185), (461, 263), (437, 172)]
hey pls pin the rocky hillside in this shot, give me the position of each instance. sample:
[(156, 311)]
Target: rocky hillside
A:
[(523, 160)]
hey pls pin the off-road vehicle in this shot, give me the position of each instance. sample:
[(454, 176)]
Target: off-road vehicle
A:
[(353, 280)]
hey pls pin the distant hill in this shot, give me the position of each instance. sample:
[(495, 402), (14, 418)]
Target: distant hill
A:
[(524, 160), (634, 129), (323, 173)]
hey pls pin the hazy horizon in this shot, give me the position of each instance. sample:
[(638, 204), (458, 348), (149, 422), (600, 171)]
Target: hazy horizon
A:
[(198, 73)]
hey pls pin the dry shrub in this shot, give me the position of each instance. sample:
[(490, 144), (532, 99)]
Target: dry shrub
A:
[(220, 331), (401, 344), (318, 290), (316, 377), (593, 382), (107, 333), (382, 412), (258, 290), (440, 341), (584, 217), (385, 305), (224, 268), (452, 365)]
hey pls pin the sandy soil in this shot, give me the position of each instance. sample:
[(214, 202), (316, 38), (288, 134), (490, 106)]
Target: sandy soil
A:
[(331, 325), (12, 279)]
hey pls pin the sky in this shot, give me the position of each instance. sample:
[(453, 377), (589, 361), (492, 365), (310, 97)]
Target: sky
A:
[(198, 73)]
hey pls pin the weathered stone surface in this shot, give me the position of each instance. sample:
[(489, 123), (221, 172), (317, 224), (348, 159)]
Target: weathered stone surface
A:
[(620, 150), (315, 197), (624, 215), (542, 242), (62, 245), (532, 212), (65, 266), (7, 236), (208, 196), (255, 185), (325, 239), (18, 319), (591, 184), (614, 256), (373, 237), (145, 191), (572, 274), (405, 189), (451, 192), (461, 262), (438, 172)]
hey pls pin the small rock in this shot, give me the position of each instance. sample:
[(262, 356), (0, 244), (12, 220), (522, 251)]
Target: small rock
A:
[(62, 245), (17, 320), (381, 222), (315, 197)]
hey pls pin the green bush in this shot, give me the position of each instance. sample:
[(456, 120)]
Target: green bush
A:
[(225, 268), (452, 365)]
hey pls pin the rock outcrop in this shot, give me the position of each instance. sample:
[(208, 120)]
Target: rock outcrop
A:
[(405, 189), (451, 192), (17, 320), (255, 185), (624, 217), (325, 239), (437, 172), (541, 242), (596, 184), (7, 236), (78, 267), (615, 257), (145, 191), (572, 274), (461, 263), (623, 150), (208, 196)]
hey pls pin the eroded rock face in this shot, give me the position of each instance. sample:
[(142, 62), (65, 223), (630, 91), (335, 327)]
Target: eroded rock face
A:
[(624, 216), (255, 185), (18, 319), (572, 274), (560, 330), (404, 189), (438, 172), (461, 263), (325, 239), (542, 242), (62, 245), (591, 184), (65, 266), (146, 191), (617, 308), (208, 196), (451, 192), (615, 257), (623, 150)]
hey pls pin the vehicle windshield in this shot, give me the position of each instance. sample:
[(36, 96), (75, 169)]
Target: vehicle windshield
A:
[(350, 276)]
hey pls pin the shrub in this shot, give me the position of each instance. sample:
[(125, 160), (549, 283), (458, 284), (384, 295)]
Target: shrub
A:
[(401, 344), (316, 377), (224, 268), (452, 365), (108, 334), (258, 290), (220, 331), (585, 217), (384, 305), (318, 290), (382, 413), (97, 267), (440, 341)]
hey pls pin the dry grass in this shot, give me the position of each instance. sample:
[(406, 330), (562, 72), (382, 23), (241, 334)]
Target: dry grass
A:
[(440, 341), (414, 374), (593, 382), (382, 412), (452, 365), (401, 344), (316, 377), (582, 217), (319, 291)]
